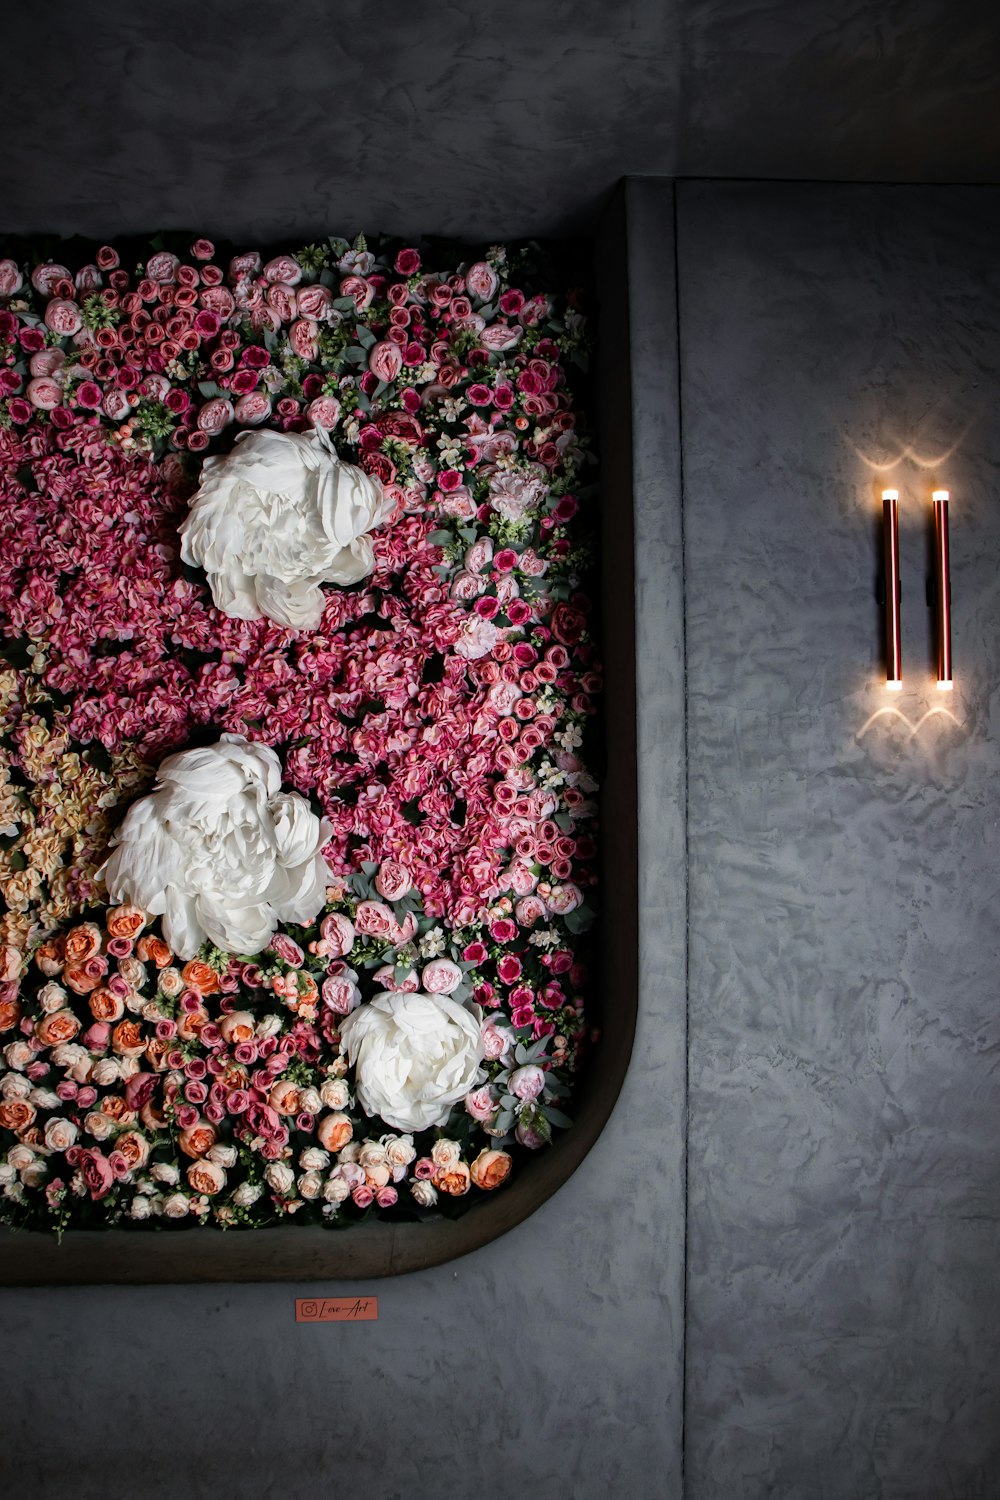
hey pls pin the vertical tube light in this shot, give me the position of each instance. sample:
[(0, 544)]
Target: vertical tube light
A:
[(942, 589), (890, 542)]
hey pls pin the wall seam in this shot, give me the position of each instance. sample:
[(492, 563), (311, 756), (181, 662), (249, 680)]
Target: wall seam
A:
[(687, 828)]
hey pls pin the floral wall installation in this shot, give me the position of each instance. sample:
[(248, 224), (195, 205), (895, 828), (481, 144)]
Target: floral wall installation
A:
[(297, 746)]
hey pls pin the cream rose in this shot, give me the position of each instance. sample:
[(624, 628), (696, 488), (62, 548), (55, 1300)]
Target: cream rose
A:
[(219, 851), (277, 517), (414, 1055)]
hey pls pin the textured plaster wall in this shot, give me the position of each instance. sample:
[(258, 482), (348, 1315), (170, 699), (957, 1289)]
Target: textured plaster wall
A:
[(843, 1308), (498, 121)]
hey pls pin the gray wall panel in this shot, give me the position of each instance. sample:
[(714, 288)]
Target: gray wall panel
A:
[(844, 1167)]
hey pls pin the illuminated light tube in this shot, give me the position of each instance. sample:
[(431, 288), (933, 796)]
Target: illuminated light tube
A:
[(890, 541), (942, 590)]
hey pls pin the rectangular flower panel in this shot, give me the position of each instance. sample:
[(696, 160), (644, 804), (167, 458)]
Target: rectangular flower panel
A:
[(297, 729)]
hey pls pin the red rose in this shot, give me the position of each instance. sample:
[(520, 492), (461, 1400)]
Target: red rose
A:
[(567, 624)]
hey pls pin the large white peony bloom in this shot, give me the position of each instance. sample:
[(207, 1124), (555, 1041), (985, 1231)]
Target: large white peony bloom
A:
[(414, 1055), (219, 851), (277, 517)]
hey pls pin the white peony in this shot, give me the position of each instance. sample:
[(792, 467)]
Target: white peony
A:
[(277, 517), (414, 1055), (219, 851)]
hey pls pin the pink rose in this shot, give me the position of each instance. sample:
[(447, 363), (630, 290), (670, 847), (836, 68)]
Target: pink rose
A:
[(467, 586), (564, 898), (375, 919), (478, 639), (386, 977), (407, 262), (522, 879), (202, 250), (281, 299), (527, 1083), (44, 393), (11, 280), (96, 1171), (314, 302), (44, 278), (341, 993), (408, 928), (286, 948), (498, 1041), (499, 336), (337, 932), (283, 268), (107, 258), (440, 977), (215, 415), (162, 268), (63, 317), (217, 300), (393, 880), (481, 1104), (243, 266), (115, 404), (385, 360), (479, 555), (324, 411), (529, 910), (481, 280), (253, 409), (303, 338), (360, 290)]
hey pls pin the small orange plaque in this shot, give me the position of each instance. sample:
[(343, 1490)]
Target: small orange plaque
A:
[(336, 1309)]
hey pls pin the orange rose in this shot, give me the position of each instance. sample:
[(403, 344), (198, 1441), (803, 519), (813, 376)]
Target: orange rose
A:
[(237, 1027), (127, 1039), (152, 1116), (61, 1026), (154, 949), (284, 1097), (105, 1006), (490, 1168), (80, 981), (124, 921), (235, 1076), (10, 1014), (308, 988), (134, 1147), (334, 1132), (16, 1114), (198, 1139), (455, 1180), (200, 977), (189, 1024), (156, 1052), (51, 956), (82, 943), (114, 1106), (206, 1177)]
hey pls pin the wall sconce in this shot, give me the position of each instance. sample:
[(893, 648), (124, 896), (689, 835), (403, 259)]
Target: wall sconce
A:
[(891, 590), (941, 599)]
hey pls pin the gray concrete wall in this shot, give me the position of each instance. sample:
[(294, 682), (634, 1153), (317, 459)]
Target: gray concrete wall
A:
[(481, 121), (844, 1147)]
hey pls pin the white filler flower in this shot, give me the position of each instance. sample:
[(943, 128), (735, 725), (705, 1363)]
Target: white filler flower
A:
[(414, 1055), (277, 517), (219, 851)]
